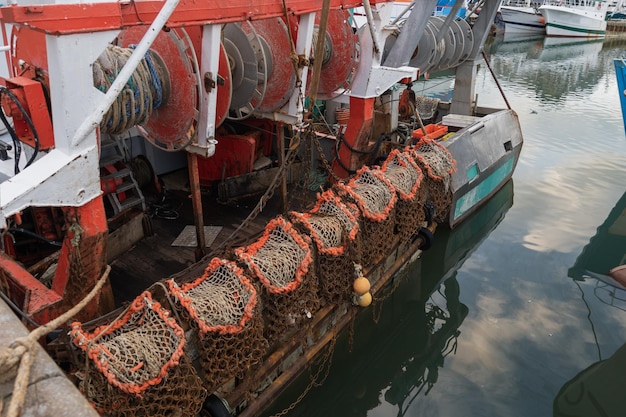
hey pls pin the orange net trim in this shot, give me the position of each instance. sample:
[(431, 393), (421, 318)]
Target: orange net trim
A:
[(427, 142), (117, 372), (358, 181), (350, 224), (273, 228), (393, 166), (184, 294)]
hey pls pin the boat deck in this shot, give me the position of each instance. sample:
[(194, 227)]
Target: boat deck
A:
[(155, 257)]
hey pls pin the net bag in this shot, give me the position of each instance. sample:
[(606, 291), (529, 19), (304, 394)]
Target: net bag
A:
[(136, 362), (437, 163), (221, 305), (375, 197), (180, 394), (402, 171), (333, 227), (281, 260)]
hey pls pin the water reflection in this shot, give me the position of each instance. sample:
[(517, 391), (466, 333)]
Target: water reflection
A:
[(395, 360), (553, 68), (598, 389), (605, 251)]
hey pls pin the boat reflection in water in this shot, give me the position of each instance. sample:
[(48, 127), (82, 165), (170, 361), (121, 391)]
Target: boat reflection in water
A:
[(596, 391), (398, 359), (604, 252), (599, 389)]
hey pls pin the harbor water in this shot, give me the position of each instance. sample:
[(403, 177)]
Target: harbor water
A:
[(511, 313)]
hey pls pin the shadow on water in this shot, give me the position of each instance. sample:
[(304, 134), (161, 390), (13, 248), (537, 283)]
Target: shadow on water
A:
[(394, 352), (598, 390)]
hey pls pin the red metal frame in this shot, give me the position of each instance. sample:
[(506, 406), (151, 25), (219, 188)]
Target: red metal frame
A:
[(31, 96), (59, 19), (43, 304), (356, 136)]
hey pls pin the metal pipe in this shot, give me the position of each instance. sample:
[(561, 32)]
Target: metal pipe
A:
[(406, 9), (93, 121), (496, 80), (370, 23)]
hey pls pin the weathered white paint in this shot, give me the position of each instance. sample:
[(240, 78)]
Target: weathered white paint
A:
[(372, 79)]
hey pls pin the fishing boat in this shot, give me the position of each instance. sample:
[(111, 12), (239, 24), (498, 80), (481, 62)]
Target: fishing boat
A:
[(523, 18), (201, 199), (586, 18)]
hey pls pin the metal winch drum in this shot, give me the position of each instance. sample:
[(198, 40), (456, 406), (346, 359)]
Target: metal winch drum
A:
[(441, 46)]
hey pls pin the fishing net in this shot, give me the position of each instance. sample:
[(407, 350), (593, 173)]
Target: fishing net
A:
[(181, 394), (222, 305), (426, 107), (402, 171), (375, 197), (333, 227), (281, 260), (137, 364), (437, 163)]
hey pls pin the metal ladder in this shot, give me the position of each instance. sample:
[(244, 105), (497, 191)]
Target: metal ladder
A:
[(124, 192)]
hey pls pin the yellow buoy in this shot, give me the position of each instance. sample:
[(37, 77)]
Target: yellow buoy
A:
[(365, 299), (361, 285)]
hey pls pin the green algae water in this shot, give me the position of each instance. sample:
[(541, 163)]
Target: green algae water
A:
[(511, 313)]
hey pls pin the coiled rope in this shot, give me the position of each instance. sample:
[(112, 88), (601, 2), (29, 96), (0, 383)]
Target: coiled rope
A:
[(147, 89)]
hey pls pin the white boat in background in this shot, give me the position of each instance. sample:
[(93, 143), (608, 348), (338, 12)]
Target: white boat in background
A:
[(522, 17), (576, 18)]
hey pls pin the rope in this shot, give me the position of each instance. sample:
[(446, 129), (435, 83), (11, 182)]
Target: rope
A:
[(17, 358), (144, 91)]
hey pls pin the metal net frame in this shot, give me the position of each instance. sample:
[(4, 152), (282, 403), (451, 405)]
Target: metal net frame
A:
[(222, 306), (220, 301), (181, 394), (281, 259), (137, 350), (438, 165), (375, 196), (135, 365), (406, 176), (334, 228)]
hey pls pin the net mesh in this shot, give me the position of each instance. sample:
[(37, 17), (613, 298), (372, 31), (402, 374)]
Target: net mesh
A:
[(330, 223), (181, 394), (221, 300), (373, 193), (136, 351), (333, 226), (376, 198), (222, 306), (281, 259), (403, 172), (434, 158), (438, 164), (426, 106)]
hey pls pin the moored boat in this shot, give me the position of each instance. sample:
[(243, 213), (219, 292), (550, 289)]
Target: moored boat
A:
[(522, 18), (225, 88), (584, 18)]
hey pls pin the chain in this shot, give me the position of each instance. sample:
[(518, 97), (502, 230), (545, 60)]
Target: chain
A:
[(377, 305), (325, 162), (325, 365)]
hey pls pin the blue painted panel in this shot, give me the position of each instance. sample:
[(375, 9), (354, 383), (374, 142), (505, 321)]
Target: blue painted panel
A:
[(484, 188), (620, 73)]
